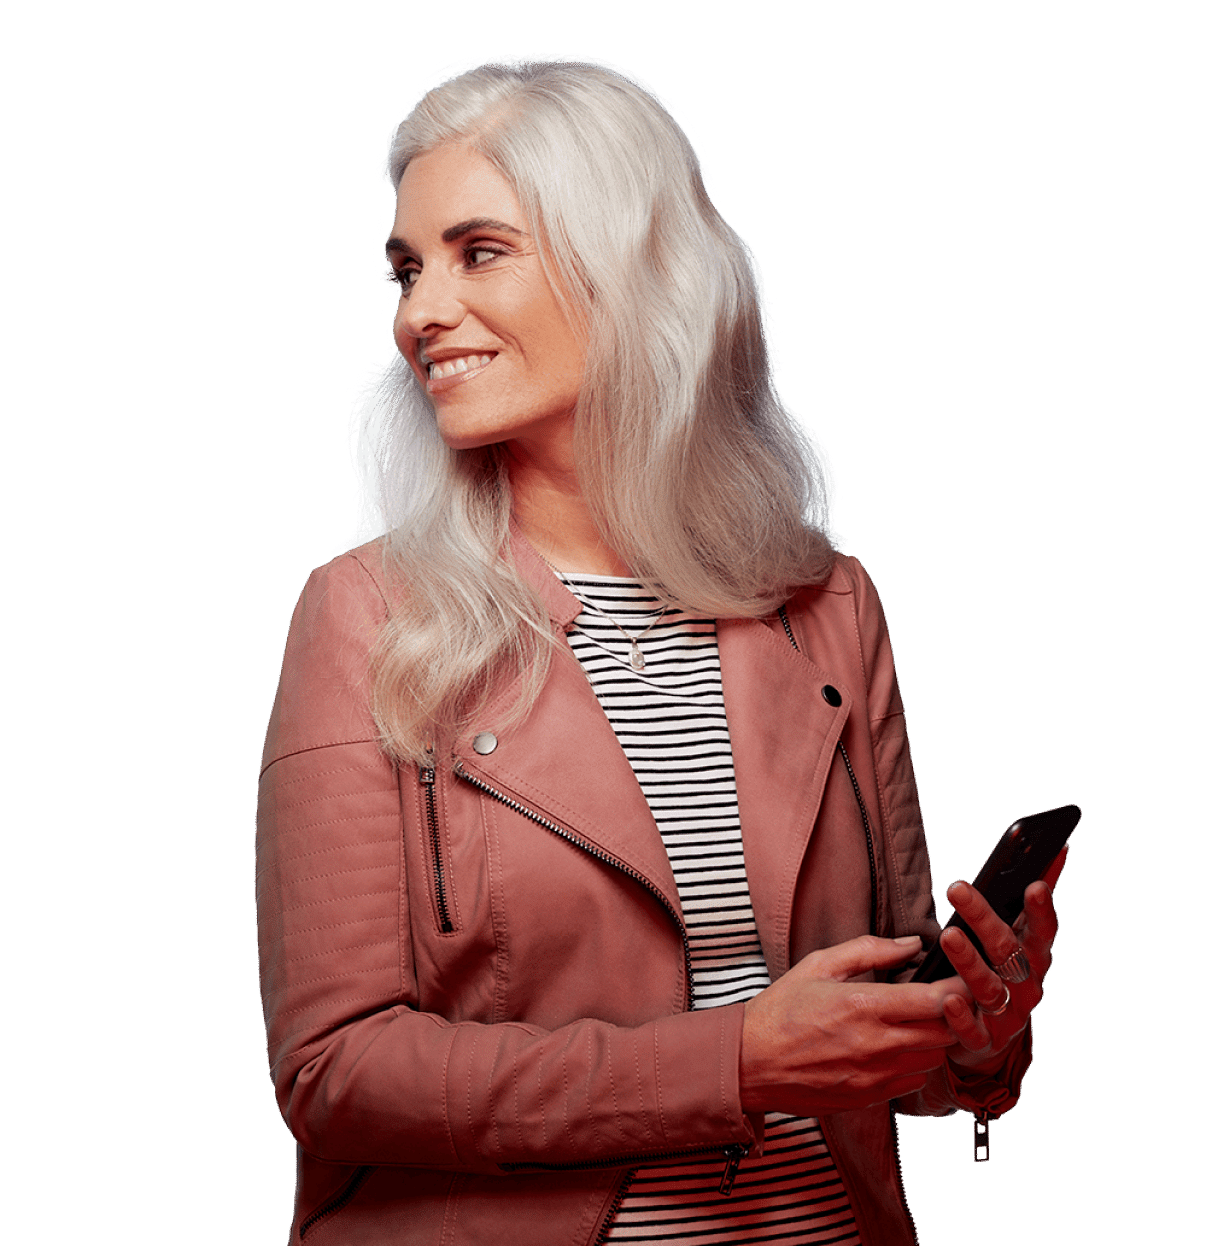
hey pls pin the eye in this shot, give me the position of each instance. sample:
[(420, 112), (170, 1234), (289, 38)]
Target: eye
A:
[(475, 257), (404, 277)]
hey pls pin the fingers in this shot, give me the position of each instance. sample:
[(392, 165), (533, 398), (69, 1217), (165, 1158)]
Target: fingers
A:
[(966, 1024), (862, 955), (996, 937), (1040, 920), (986, 987)]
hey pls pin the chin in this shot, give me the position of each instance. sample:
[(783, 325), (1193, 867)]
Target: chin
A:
[(468, 439)]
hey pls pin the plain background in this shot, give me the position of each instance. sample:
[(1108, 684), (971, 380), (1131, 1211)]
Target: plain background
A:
[(979, 234)]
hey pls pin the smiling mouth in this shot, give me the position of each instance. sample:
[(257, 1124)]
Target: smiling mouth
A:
[(456, 367)]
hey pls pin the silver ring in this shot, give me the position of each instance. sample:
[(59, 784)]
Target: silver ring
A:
[(1014, 968), (996, 1012)]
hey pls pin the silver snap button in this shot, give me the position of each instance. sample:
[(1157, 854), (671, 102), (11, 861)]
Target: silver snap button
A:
[(485, 742)]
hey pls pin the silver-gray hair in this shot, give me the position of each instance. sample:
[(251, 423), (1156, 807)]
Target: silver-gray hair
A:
[(695, 474)]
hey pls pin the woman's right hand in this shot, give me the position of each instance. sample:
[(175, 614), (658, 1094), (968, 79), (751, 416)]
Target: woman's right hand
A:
[(814, 1042)]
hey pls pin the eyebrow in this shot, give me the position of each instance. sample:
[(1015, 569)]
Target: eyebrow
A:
[(398, 246)]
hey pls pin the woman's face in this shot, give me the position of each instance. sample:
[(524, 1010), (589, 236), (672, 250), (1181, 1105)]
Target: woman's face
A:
[(477, 319)]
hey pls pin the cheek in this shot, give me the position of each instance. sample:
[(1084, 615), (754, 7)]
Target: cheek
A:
[(408, 348)]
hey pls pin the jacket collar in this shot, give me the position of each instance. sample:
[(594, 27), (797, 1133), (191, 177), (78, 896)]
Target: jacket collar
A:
[(564, 763)]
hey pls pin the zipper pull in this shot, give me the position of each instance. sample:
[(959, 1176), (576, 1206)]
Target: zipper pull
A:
[(734, 1155), (980, 1137), (427, 772)]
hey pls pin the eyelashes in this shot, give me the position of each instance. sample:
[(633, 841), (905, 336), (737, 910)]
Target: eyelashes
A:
[(401, 277), (475, 257)]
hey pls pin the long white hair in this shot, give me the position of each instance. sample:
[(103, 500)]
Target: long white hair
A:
[(694, 473)]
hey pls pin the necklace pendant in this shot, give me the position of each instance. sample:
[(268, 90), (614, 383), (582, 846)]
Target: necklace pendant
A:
[(636, 658)]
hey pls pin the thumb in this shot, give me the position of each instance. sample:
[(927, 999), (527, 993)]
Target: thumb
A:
[(1056, 868), (855, 956)]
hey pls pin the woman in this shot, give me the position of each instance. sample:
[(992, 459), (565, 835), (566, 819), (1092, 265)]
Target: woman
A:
[(563, 939)]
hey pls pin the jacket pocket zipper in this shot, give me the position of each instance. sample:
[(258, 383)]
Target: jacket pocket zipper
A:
[(734, 1153), (427, 776), (338, 1201), (459, 770)]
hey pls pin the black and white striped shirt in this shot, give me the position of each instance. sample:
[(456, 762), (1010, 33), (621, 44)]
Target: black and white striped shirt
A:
[(670, 720)]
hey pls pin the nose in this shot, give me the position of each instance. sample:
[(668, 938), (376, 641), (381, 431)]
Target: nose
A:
[(432, 305)]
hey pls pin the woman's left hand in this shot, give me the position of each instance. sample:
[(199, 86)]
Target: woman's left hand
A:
[(983, 1027)]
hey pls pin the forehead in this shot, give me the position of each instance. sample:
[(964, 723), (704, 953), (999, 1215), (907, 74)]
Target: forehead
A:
[(451, 184)]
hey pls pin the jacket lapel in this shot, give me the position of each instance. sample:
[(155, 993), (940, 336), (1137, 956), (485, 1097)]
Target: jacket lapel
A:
[(784, 734), (563, 760)]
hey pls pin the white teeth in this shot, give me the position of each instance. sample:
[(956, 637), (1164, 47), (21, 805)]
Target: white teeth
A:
[(453, 367)]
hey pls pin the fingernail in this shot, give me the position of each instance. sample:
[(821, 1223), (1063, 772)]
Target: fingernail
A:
[(907, 939)]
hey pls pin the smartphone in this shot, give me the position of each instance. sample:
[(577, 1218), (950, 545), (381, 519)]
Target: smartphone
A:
[(1020, 858)]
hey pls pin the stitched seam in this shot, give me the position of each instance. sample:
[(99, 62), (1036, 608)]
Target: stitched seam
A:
[(334, 977), (324, 1003), (301, 930), (566, 1088), (311, 776), (657, 1081), (279, 832), (356, 895), (498, 915), (447, 1104), (356, 869), (640, 1089), (320, 852), (316, 748), (342, 794), (611, 1081), (494, 1122), (338, 951)]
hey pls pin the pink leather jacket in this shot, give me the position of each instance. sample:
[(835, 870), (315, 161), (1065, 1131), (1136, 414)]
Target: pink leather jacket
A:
[(475, 978)]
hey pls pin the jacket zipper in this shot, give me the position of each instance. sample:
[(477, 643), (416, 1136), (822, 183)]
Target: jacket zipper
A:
[(459, 770), (858, 796), (904, 1202), (980, 1135), (338, 1201), (734, 1153), (427, 776)]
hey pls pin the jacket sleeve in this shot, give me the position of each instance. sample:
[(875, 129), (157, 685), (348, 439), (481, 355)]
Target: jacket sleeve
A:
[(362, 1075), (910, 893)]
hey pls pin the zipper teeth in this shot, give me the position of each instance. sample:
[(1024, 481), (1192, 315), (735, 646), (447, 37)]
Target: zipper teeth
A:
[(858, 795), (862, 808), (904, 1201), (338, 1202), (427, 777), (787, 628), (459, 770), (617, 1199), (618, 1161)]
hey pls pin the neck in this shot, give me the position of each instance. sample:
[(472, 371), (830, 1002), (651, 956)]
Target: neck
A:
[(549, 507)]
